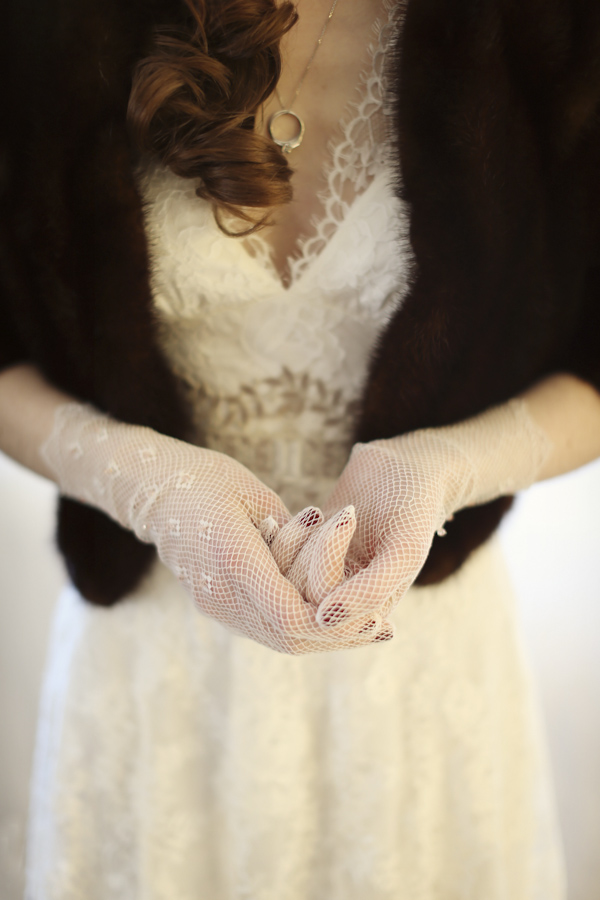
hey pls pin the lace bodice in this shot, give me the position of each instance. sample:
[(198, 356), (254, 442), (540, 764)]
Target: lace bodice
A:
[(275, 372)]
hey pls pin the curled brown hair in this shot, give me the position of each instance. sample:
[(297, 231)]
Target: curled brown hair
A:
[(194, 99)]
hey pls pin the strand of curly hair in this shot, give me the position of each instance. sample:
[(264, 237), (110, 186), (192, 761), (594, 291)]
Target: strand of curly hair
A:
[(194, 100)]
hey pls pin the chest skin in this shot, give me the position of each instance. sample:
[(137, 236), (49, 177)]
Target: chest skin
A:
[(330, 84)]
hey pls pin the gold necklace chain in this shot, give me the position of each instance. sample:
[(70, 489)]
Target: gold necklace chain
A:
[(293, 143)]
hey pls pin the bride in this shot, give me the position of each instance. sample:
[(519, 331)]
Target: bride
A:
[(292, 301)]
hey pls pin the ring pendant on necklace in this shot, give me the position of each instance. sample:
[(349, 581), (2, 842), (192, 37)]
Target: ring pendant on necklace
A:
[(292, 143)]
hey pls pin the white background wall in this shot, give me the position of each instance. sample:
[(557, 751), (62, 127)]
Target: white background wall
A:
[(552, 541)]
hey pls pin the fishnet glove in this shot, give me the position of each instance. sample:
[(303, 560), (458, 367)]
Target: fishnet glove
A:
[(203, 511), (403, 490)]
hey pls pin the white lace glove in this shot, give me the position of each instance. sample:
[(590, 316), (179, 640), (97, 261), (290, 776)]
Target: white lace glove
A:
[(403, 490), (203, 511)]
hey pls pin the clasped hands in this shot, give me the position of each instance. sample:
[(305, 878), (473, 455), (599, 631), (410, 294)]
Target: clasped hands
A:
[(354, 561), (314, 582)]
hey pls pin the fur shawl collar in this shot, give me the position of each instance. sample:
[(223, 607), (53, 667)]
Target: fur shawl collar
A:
[(497, 108)]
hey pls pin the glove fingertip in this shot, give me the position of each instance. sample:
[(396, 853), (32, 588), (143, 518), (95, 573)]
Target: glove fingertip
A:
[(386, 634), (332, 615), (268, 529), (310, 516)]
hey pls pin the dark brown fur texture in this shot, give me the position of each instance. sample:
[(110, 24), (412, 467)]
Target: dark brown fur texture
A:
[(498, 114)]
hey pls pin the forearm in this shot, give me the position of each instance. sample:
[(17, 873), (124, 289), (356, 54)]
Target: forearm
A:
[(568, 411), (27, 407), (550, 429)]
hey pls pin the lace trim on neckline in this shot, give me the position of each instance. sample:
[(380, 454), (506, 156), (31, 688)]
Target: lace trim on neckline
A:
[(355, 156)]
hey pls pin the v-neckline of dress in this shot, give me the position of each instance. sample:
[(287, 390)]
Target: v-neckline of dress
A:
[(355, 156)]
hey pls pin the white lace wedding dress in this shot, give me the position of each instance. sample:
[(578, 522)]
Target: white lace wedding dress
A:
[(176, 761)]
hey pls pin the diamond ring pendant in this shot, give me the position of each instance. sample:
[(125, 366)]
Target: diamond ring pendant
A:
[(291, 143)]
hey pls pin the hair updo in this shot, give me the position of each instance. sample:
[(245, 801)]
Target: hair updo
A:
[(195, 97)]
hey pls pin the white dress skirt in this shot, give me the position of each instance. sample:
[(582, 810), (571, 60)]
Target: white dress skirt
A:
[(177, 761)]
